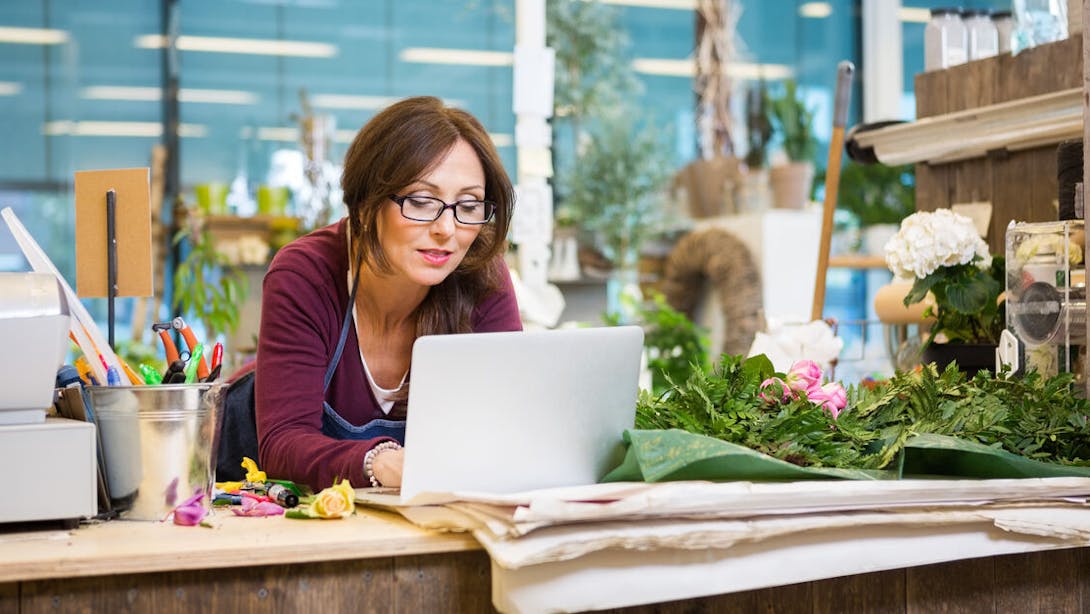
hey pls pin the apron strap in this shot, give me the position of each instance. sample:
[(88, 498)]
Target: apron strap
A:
[(344, 325)]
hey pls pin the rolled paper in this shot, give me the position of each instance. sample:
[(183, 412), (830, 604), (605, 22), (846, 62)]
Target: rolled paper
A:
[(889, 305)]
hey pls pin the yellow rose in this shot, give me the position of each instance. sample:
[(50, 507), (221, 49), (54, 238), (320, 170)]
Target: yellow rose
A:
[(337, 501)]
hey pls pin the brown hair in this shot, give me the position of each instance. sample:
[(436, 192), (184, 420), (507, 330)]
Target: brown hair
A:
[(396, 148)]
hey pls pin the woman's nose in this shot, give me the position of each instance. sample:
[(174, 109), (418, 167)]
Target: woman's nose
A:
[(444, 224)]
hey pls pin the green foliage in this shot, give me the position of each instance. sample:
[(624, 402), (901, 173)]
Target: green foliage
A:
[(876, 193), (795, 123), (1035, 417), (967, 307), (676, 346), (135, 353), (614, 185), (592, 72), (206, 287), (758, 126)]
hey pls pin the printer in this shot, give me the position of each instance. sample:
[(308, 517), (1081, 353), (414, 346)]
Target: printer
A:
[(52, 461)]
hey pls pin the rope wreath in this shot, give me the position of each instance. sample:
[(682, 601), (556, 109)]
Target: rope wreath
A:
[(716, 259)]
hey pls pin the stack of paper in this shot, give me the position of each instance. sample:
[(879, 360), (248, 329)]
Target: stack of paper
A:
[(562, 524)]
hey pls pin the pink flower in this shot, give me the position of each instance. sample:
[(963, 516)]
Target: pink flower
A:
[(778, 390), (804, 376), (257, 507), (831, 397), (190, 512)]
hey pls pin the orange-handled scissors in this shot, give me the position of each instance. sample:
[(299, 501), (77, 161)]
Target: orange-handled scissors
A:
[(191, 342), (164, 328)]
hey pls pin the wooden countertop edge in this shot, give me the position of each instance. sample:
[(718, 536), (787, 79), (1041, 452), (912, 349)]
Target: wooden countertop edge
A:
[(98, 551)]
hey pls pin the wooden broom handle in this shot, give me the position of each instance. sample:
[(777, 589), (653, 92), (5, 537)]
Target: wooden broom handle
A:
[(832, 181)]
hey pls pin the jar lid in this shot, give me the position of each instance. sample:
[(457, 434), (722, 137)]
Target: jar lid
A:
[(1001, 14), (975, 13), (948, 10)]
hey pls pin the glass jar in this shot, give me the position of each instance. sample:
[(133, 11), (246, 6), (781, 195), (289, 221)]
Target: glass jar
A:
[(1004, 27), (945, 39), (981, 34)]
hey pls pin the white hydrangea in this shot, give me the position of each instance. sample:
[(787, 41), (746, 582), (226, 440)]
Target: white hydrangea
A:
[(931, 239)]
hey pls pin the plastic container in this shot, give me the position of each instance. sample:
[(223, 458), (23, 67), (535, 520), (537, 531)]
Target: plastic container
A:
[(1038, 22), (157, 444), (1004, 28), (982, 35), (945, 39)]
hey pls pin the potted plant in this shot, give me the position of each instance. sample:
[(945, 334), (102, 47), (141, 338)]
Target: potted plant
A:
[(614, 190), (950, 266), (878, 197), (794, 122), (758, 137)]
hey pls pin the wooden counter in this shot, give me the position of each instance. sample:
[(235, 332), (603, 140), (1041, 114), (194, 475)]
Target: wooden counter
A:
[(377, 562)]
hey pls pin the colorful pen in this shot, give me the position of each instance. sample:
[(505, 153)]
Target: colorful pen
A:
[(217, 355), (192, 367), (151, 376)]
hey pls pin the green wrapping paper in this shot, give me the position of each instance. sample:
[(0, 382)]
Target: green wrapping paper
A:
[(945, 456), (671, 455)]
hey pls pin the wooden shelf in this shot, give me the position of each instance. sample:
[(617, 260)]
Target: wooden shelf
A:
[(857, 261)]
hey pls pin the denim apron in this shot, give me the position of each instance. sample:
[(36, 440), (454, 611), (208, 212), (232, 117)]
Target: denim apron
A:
[(335, 426)]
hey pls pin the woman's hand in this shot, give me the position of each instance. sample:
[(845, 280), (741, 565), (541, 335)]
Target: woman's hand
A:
[(387, 465)]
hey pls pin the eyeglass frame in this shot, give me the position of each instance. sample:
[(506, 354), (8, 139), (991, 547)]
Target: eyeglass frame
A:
[(400, 202)]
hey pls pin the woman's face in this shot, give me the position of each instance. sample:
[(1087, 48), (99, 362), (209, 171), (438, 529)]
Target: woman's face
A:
[(425, 253)]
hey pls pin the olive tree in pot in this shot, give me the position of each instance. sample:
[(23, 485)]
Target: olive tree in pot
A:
[(793, 120), (617, 188)]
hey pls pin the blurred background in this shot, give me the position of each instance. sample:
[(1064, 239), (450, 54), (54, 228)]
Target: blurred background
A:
[(267, 95)]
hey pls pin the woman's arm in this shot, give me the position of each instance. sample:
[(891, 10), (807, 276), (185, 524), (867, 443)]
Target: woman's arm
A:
[(299, 326)]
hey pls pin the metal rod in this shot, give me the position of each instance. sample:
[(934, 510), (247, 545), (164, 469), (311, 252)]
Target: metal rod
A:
[(111, 261)]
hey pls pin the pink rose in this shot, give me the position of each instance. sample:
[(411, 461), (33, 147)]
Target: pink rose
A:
[(778, 390), (831, 397), (804, 376)]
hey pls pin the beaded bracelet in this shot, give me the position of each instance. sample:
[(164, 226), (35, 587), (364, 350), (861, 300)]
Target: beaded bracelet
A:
[(369, 460)]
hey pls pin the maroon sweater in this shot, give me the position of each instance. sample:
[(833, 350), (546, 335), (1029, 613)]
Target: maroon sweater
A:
[(302, 307)]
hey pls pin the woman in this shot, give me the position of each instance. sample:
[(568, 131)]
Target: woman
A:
[(420, 253)]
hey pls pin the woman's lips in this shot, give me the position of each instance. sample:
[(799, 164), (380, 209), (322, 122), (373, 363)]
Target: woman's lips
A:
[(435, 256)]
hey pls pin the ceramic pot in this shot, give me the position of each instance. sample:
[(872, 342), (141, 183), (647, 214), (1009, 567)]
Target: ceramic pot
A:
[(791, 184)]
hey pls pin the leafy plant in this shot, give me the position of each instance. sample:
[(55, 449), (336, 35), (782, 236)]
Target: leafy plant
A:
[(943, 254), (675, 345), (758, 126), (205, 286), (1036, 417), (795, 121), (878, 194), (967, 307), (614, 185)]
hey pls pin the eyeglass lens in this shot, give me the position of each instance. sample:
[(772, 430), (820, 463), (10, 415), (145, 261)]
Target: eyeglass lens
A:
[(427, 209)]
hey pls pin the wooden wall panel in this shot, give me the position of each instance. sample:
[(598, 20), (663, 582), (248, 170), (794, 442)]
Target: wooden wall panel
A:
[(880, 592), (1037, 582), (1021, 185), (960, 587), (453, 583), (439, 583), (1050, 581), (9, 598)]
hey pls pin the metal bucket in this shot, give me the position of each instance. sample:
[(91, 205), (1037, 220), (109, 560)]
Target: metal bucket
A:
[(157, 444)]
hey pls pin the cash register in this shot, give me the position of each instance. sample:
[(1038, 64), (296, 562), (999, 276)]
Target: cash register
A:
[(50, 462)]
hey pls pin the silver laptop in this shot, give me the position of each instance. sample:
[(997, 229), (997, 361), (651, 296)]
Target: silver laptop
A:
[(517, 411)]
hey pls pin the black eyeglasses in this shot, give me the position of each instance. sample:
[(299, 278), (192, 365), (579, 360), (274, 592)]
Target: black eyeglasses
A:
[(428, 209)]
